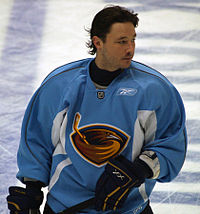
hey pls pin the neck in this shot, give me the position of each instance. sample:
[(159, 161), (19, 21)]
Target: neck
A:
[(104, 65)]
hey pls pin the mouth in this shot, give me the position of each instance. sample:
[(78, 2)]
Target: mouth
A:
[(127, 58)]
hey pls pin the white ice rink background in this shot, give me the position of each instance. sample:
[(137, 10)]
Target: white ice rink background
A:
[(36, 36)]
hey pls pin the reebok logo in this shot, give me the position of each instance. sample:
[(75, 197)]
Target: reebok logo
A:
[(126, 91)]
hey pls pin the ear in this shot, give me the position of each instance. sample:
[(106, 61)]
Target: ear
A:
[(97, 42)]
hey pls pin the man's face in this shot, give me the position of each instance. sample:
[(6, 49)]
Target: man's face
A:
[(118, 49)]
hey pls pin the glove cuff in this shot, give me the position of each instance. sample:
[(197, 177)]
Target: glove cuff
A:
[(141, 169), (151, 159), (34, 185)]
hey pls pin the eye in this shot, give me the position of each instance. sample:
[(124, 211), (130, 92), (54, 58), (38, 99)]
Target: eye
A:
[(122, 42)]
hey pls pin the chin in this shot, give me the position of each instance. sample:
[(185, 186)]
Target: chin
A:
[(125, 65)]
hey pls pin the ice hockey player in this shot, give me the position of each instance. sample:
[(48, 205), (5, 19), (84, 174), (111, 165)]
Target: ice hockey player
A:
[(106, 128)]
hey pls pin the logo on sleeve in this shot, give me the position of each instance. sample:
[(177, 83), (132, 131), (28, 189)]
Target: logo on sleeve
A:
[(97, 143), (126, 91)]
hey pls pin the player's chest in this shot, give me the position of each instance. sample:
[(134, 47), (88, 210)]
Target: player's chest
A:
[(102, 125)]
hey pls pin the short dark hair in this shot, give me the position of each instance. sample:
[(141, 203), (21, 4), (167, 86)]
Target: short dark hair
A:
[(103, 21)]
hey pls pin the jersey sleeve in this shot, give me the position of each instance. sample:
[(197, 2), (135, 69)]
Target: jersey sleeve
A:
[(36, 147), (165, 133)]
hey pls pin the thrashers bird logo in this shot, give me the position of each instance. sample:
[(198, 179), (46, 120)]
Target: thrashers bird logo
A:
[(97, 143)]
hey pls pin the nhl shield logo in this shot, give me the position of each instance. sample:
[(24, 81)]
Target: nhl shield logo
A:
[(97, 143), (100, 94)]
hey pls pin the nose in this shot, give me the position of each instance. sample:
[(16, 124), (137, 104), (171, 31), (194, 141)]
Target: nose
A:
[(130, 48)]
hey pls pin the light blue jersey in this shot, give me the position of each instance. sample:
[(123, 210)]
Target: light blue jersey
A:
[(71, 128)]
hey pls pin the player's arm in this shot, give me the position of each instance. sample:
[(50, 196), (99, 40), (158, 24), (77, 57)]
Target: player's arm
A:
[(35, 150), (36, 144), (33, 159), (170, 140), (164, 131)]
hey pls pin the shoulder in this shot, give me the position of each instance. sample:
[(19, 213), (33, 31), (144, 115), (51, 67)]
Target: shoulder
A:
[(58, 82), (148, 77), (152, 84), (148, 72), (62, 77), (69, 70)]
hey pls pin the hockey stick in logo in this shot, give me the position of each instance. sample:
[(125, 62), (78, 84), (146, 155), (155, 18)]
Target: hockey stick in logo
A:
[(75, 127)]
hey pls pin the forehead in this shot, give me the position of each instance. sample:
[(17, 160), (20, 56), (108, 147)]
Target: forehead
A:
[(125, 29)]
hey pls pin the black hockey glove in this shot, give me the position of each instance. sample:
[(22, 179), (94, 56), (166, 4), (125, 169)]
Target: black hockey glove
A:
[(25, 201), (119, 177)]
